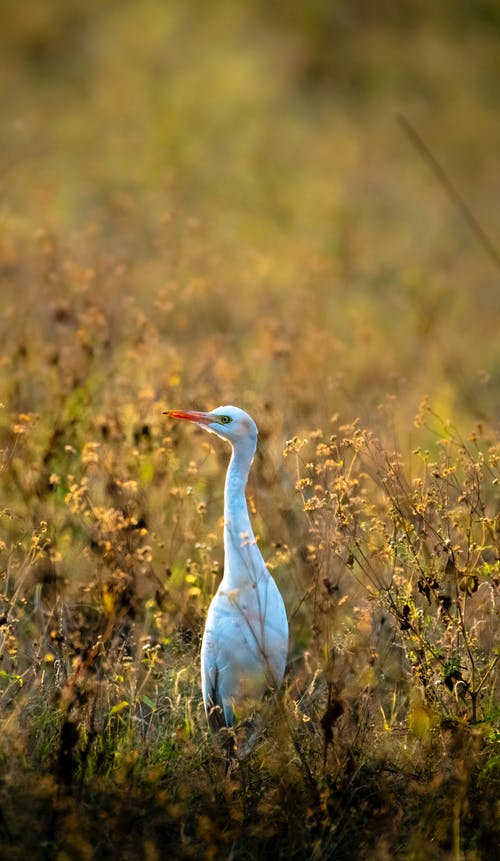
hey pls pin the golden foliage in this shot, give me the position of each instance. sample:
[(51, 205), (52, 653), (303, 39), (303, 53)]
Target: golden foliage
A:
[(211, 203)]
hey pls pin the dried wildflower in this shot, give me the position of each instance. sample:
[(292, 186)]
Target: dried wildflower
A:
[(294, 446), (90, 454)]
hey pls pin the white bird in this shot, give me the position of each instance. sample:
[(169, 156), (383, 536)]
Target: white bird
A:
[(245, 642)]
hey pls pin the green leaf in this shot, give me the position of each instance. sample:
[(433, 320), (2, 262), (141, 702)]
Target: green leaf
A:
[(12, 677), (148, 702), (119, 707)]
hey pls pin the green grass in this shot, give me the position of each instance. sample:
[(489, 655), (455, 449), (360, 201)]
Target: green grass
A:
[(214, 203)]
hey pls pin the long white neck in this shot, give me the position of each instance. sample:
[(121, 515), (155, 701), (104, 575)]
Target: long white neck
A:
[(242, 556)]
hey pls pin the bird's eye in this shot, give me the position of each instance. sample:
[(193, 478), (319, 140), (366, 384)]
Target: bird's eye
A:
[(225, 419)]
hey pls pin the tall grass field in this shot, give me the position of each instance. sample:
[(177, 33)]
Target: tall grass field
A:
[(293, 208)]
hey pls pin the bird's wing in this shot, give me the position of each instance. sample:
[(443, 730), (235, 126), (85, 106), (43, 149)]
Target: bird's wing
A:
[(243, 651), (219, 713), (215, 714)]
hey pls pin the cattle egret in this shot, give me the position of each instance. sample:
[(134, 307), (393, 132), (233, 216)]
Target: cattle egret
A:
[(245, 642)]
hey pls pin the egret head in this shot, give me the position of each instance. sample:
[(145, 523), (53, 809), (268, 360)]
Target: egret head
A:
[(230, 423)]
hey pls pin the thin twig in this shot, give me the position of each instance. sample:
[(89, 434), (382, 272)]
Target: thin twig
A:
[(454, 195)]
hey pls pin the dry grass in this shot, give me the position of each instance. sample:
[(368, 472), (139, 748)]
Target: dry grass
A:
[(224, 210)]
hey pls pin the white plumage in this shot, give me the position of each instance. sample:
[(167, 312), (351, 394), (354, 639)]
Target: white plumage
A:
[(245, 642)]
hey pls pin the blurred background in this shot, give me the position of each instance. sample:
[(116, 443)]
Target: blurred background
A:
[(218, 202)]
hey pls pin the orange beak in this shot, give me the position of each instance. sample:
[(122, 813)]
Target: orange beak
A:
[(190, 416)]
